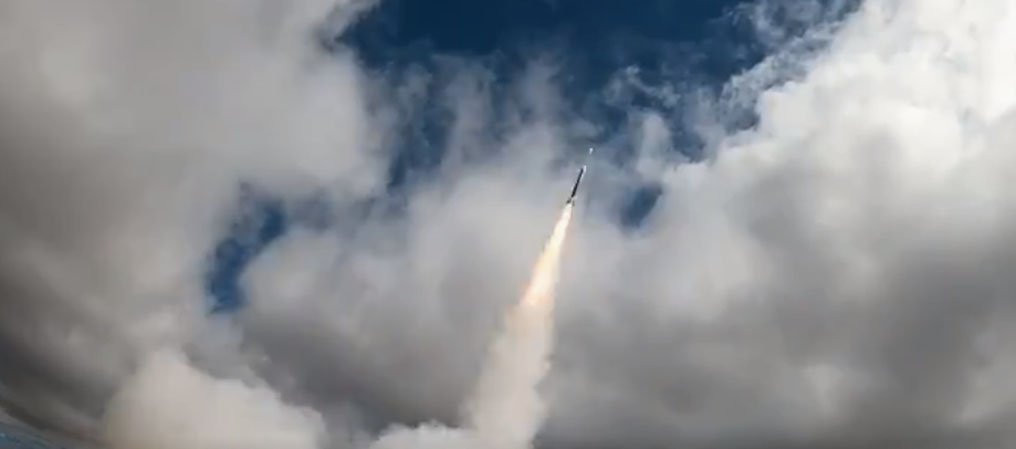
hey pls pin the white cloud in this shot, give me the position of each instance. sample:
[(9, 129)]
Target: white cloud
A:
[(127, 129), (835, 277)]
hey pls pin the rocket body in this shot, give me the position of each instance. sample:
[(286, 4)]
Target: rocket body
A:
[(578, 180), (575, 188)]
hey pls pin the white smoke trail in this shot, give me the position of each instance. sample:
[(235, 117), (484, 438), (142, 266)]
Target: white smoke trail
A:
[(505, 402), (505, 410), (169, 404)]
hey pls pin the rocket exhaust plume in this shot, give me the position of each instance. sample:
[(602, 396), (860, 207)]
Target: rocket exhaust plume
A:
[(506, 406), (505, 410)]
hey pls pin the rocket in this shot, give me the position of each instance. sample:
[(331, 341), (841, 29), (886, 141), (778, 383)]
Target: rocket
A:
[(578, 180)]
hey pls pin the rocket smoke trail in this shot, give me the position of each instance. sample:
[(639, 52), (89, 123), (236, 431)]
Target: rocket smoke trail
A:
[(505, 410), (505, 403)]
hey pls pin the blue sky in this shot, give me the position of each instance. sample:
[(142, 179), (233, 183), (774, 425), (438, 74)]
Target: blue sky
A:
[(698, 42)]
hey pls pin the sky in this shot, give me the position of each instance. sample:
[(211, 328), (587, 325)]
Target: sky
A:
[(696, 46), (265, 223)]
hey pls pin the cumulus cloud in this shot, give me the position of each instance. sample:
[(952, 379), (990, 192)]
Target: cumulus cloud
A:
[(127, 128), (840, 264), (834, 276)]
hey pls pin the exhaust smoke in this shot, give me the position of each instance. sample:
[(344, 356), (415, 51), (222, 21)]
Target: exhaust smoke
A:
[(505, 410)]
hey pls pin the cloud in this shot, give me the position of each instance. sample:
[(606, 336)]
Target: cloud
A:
[(127, 130), (834, 276), (830, 274)]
